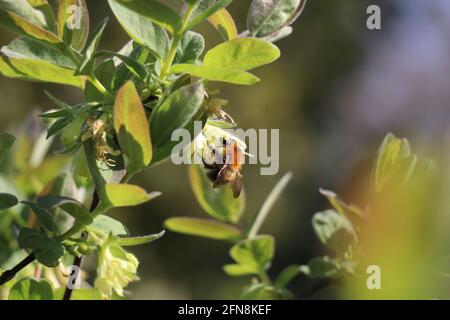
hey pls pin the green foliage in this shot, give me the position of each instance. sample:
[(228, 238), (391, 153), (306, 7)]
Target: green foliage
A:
[(224, 23), (242, 54), (203, 228), (334, 230), (109, 225), (394, 160), (47, 250), (141, 29), (153, 10), (218, 203), (134, 100), (7, 201), (269, 18), (44, 217), (73, 37), (252, 256), (131, 125), (190, 48), (6, 142), (31, 289), (175, 112), (27, 59)]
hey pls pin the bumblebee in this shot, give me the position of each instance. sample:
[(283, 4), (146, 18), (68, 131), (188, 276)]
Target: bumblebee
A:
[(226, 166)]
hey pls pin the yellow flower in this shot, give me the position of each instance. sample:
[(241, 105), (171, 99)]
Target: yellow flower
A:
[(117, 268)]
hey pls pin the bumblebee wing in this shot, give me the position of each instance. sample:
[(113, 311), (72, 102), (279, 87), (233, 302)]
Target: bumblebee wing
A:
[(237, 185), (222, 177)]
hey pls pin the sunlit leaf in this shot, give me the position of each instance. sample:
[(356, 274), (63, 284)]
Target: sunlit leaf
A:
[(242, 54), (24, 9), (141, 29), (203, 228), (392, 154), (219, 203), (253, 255), (154, 10), (135, 241), (125, 195), (268, 17), (109, 225), (206, 8), (73, 22), (224, 23), (216, 73), (44, 7), (131, 125), (25, 58)]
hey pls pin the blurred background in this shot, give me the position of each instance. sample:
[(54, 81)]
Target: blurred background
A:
[(334, 94)]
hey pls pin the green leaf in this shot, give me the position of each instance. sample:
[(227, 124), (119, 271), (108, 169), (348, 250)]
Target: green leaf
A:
[(25, 10), (131, 125), (287, 275), (27, 59), (190, 48), (79, 294), (242, 54), (109, 226), (132, 65), (155, 11), (334, 230), (281, 34), (216, 74), (7, 201), (268, 17), (73, 23), (104, 73), (254, 255), (31, 289), (19, 16), (69, 205), (135, 241), (126, 195), (320, 267), (6, 143), (59, 125), (88, 64), (390, 155), (224, 23), (141, 29), (203, 228), (175, 112), (47, 250), (218, 203), (262, 291), (206, 8), (45, 218)]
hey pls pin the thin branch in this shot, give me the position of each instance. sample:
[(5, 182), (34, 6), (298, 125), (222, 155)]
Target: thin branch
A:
[(10, 274), (69, 289), (77, 261)]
